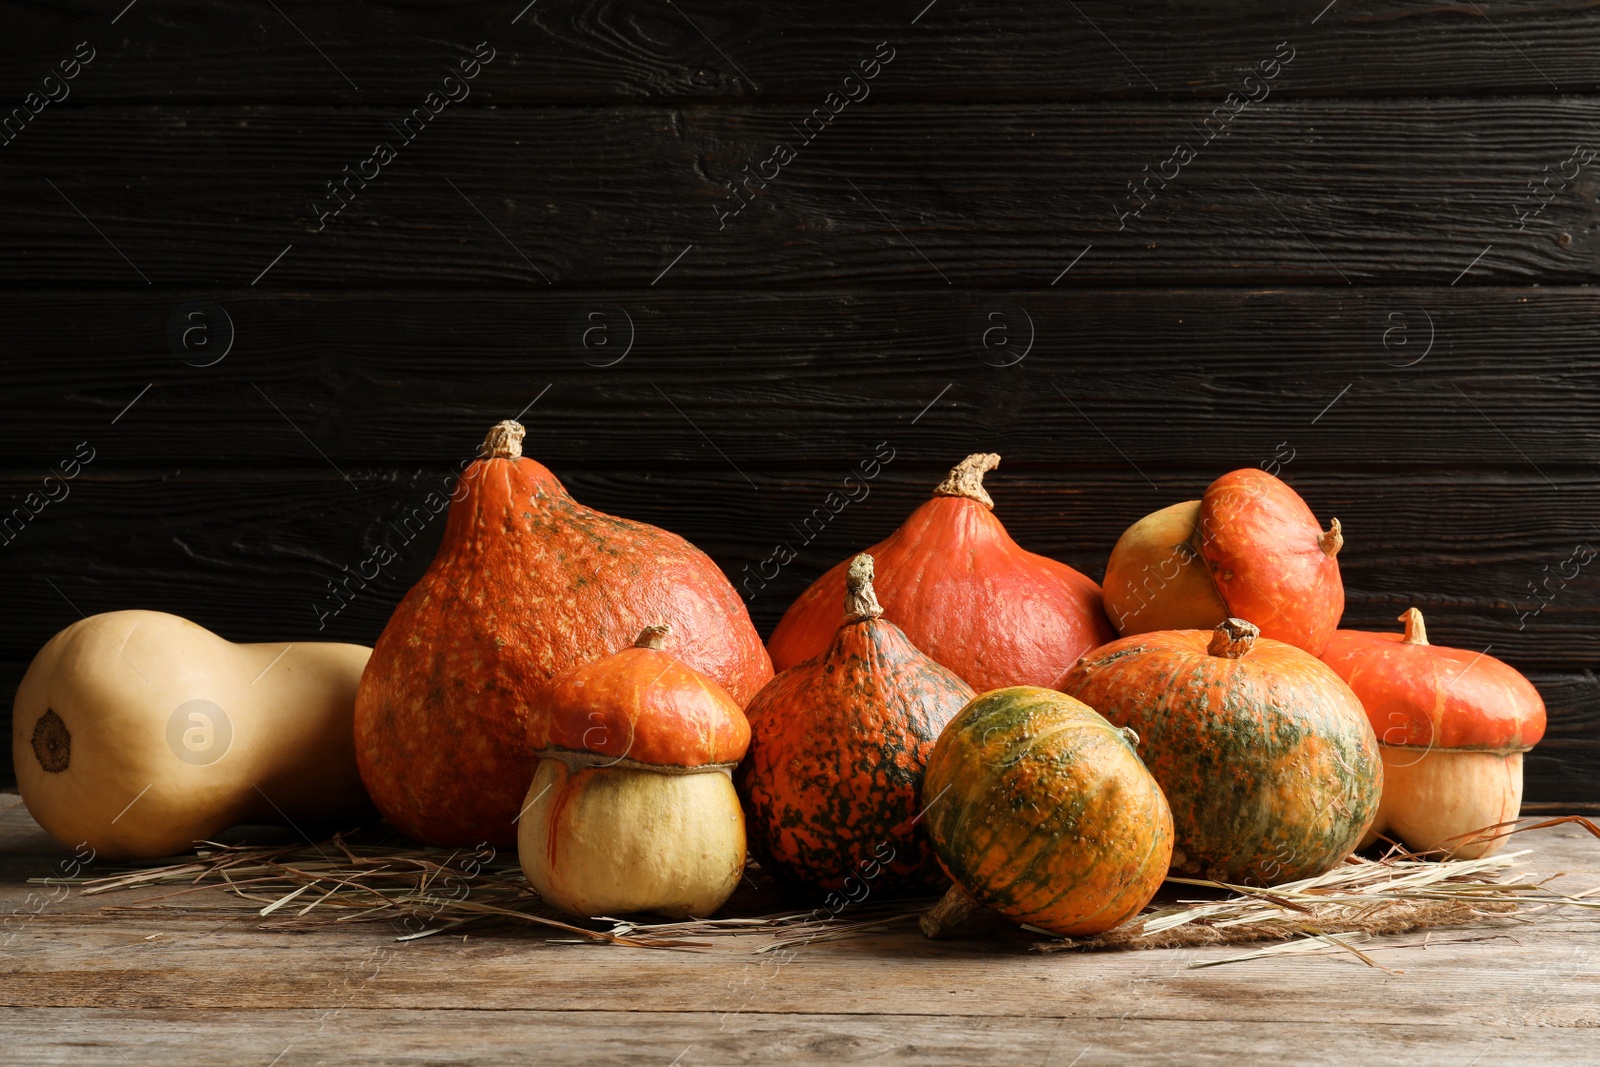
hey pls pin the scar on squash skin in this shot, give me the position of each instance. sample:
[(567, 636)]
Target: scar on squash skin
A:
[(52, 743)]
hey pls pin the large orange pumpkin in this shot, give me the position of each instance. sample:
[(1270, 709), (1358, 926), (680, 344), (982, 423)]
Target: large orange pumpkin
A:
[(1040, 809), (964, 592), (527, 583), (837, 749), (1249, 548), (1263, 752), (1452, 726)]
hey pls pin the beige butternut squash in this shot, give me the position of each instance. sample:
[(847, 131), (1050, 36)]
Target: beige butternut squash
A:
[(140, 733)]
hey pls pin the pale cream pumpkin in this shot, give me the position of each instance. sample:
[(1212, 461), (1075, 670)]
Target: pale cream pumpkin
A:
[(608, 840), (139, 733), (632, 807)]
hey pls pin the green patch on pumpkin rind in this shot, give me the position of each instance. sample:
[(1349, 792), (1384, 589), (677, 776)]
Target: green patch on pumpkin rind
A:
[(1216, 792), (972, 825)]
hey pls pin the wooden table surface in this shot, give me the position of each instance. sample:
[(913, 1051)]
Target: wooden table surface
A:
[(81, 985)]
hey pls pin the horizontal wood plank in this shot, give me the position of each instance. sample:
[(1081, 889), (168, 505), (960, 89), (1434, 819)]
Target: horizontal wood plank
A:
[(302, 52), (1176, 384), (159, 1038), (1407, 192), (75, 956)]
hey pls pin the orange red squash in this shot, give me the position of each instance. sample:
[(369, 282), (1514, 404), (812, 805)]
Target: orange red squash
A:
[(1264, 754), (964, 592), (1452, 726), (837, 750), (1249, 548), (1041, 810), (527, 583)]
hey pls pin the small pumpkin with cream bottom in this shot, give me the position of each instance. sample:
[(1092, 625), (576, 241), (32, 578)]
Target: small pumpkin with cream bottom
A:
[(632, 806), (139, 733), (1452, 726)]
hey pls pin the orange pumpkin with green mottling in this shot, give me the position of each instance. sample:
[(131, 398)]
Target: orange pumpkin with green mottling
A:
[(527, 583), (1264, 753), (1041, 810), (838, 744)]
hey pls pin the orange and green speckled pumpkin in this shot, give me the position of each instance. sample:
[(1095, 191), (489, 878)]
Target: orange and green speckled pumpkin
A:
[(837, 749), (1265, 755), (1040, 809), (527, 584)]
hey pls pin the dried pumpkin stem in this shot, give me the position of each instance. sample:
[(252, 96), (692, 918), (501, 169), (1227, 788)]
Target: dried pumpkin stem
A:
[(1332, 540), (1233, 639), (504, 441), (1416, 632), (654, 637), (953, 909), (860, 600), (966, 479)]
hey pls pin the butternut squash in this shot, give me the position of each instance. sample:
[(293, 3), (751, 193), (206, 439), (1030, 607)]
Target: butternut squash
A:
[(140, 733)]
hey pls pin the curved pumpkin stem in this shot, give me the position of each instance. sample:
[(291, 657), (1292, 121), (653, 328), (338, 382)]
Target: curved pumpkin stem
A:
[(1333, 540), (860, 599), (966, 479), (653, 637), (1416, 632), (504, 441), (1233, 639), (953, 909)]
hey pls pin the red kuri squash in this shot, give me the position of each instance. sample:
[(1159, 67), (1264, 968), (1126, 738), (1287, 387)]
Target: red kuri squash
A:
[(964, 592), (1249, 548), (1263, 752), (837, 749), (527, 583), (1452, 726), (1040, 809)]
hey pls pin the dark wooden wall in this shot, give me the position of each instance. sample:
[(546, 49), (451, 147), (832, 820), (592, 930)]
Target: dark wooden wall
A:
[(1349, 280)]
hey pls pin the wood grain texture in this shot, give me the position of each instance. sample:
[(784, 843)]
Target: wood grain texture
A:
[(86, 983), (597, 52), (160, 1037), (1401, 192), (1178, 384)]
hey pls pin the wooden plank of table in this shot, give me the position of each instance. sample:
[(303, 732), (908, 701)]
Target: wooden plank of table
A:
[(892, 995), (1406, 192), (237, 52), (50, 1036)]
